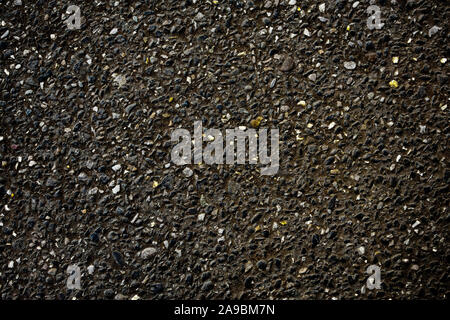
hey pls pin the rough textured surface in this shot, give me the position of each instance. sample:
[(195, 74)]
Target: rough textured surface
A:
[(86, 178)]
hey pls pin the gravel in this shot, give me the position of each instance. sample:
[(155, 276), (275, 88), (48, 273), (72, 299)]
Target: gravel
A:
[(86, 176)]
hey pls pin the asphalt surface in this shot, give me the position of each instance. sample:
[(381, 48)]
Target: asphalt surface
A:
[(86, 177)]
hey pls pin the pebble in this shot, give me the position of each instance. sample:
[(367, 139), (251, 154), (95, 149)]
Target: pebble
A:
[(108, 293), (349, 65), (261, 264), (187, 172), (272, 83), (118, 258), (148, 252), (91, 269), (288, 64), (116, 189), (199, 16), (433, 30)]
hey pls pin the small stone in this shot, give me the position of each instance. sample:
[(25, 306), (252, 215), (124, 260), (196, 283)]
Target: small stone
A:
[(322, 7), (148, 252), (306, 32), (51, 183), (187, 172), (261, 264), (288, 64), (267, 4), (116, 167), (416, 223), (393, 84), (256, 122), (114, 31), (331, 125), (130, 108), (118, 258), (369, 45), (119, 80), (201, 217), (433, 30), (189, 279), (349, 65), (116, 189), (108, 293), (199, 16), (312, 77), (272, 83), (303, 270), (91, 269)]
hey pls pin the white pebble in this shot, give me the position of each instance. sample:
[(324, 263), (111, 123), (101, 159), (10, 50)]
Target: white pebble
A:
[(350, 65), (187, 172), (116, 189), (91, 269), (361, 250)]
